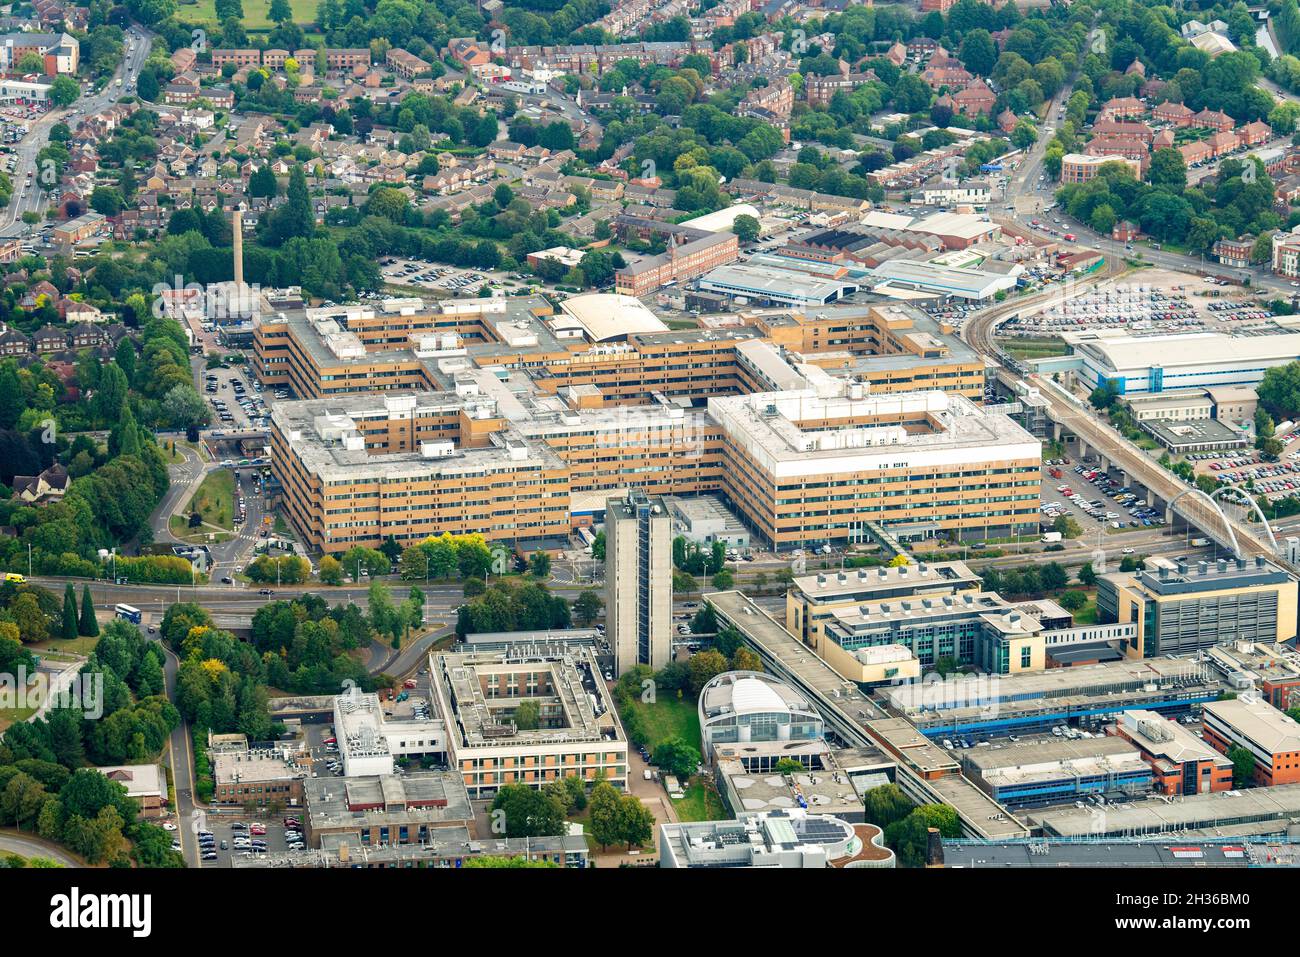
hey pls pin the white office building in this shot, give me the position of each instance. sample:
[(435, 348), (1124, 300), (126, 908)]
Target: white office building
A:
[(1180, 361)]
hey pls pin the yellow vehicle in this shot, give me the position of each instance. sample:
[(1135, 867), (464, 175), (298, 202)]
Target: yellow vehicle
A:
[(15, 577)]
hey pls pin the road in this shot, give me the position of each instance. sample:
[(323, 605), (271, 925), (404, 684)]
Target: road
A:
[(978, 332), (12, 842), (1028, 199), (32, 198)]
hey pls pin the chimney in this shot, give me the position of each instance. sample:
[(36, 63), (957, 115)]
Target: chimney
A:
[(237, 239)]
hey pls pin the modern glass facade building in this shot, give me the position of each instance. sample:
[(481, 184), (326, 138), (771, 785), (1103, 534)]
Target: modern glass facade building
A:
[(1180, 608), (752, 708)]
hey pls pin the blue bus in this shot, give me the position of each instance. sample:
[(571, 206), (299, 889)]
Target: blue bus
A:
[(127, 613)]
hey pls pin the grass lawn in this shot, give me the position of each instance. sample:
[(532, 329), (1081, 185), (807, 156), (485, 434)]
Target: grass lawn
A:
[(701, 802), (255, 13), (1033, 348), (180, 527), (215, 499), (666, 718), (10, 716), (1087, 615), (77, 646)]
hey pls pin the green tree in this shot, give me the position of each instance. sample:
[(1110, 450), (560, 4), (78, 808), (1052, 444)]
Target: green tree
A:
[(294, 219), (746, 228), (69, 626), (605, 824), (885, 804), (909, 839), (587, 606), (88, 626), (674, 756), (539, 564), (635, 821), (1073, 600), (330, 571), (63, 91), (528, 715), (1243, 765), (527, 812)]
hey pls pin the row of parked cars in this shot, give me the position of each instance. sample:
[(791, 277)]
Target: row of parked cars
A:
[(1142, 514)]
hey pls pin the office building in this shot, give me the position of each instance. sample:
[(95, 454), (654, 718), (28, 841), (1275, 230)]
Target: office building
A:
[(258, 777), (1050, 772), (764, 717), (1271, 671), (384, 809), (811, 600), (780, 839), (1183, 609), (691, 252), (1182, 762), (369, 744), (814, 465), (912, 635), (1080, 167), (1179, 361), (638, 581), (577, 732), (1271, 736), (410, 467)]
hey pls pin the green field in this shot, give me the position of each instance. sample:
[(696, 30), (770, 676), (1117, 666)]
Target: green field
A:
[(666, 718), (701, 803), (1033, 348), (215, 499), (77, 646), (255, 18)]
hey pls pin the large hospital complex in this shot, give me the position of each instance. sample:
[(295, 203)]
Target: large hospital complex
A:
[(508, 418)]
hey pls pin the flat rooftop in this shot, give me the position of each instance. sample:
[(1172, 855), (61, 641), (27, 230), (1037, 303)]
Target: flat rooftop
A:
[(1165, 739), (1124, 353), (768, 426), (1081, 681), (1019, 754), (432, 798), (250, 767), (1270, 730), (324, 435), (1264, 809), (1187, 578), (1113, 854), (571, 681), (861, 583), (1260, 661)]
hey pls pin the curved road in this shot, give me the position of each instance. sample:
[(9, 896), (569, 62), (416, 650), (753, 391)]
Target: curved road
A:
[(1083, 422), (25, 845), (32, 198)]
